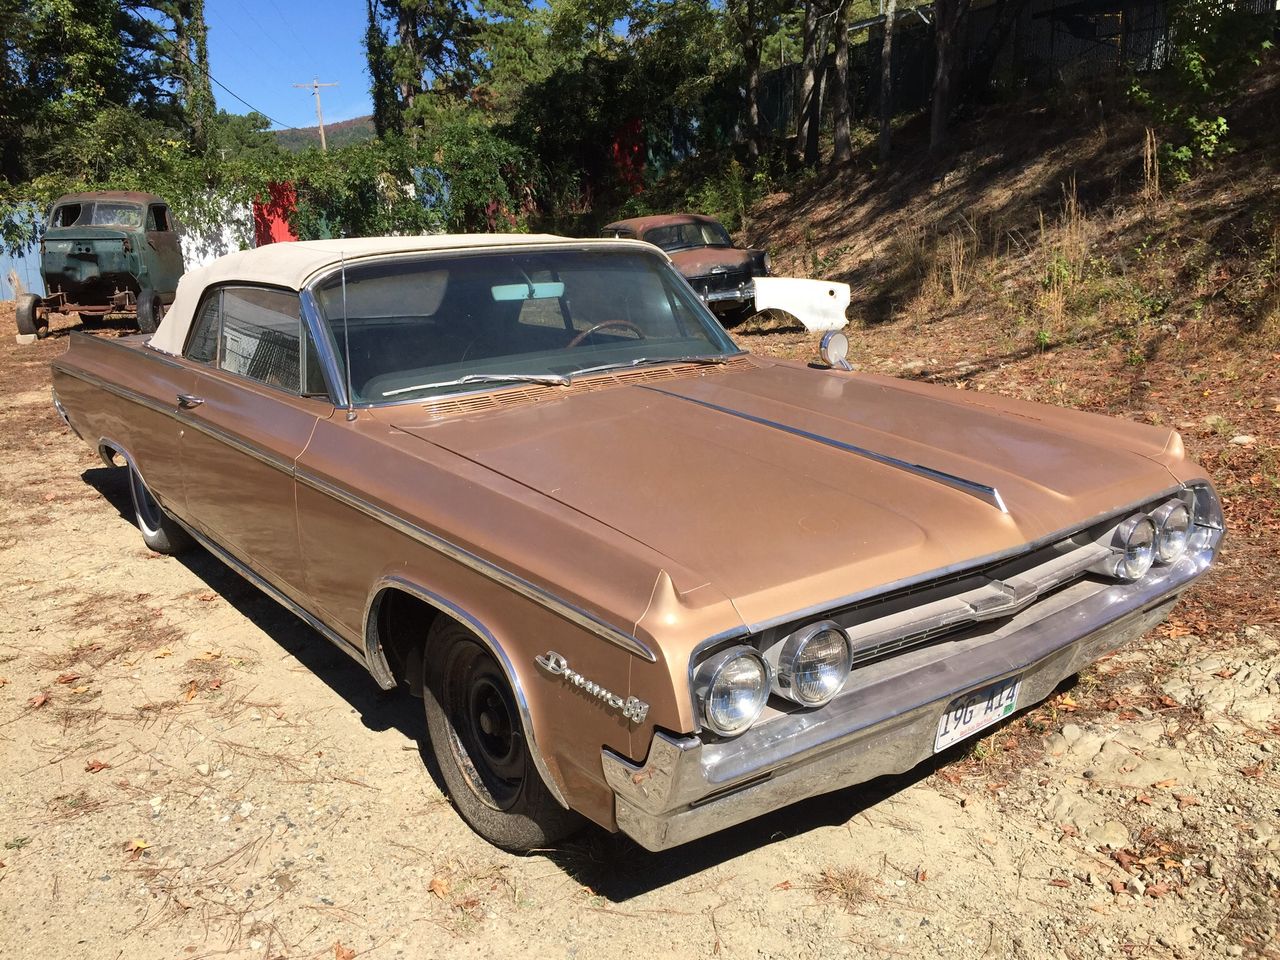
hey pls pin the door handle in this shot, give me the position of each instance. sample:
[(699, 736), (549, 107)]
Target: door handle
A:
[(186, 401)]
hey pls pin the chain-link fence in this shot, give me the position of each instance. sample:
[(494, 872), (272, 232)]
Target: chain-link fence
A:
[(1011, 45)]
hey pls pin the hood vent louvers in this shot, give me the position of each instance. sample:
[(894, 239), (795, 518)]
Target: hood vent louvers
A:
[(520, 396)]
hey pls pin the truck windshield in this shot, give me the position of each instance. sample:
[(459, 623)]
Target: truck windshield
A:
[(100, 214), (438, 325)]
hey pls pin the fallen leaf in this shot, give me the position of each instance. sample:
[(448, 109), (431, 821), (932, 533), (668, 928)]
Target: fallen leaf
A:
[(135, 847), (1118, 886), (68, 677), (440, 887), (192, 687), (1059, 882), (1253, 772), (84, 689), (1162, 784), (1124, 858), (96, 766), (38, 701), (209, 655), (342, 953), (1066, 702), (1068, 830), (1158, 890), (215, 684), (1226, 673), (162, 653), (1167, 701), (783, 885), (1185, 800), (4, 681), (922, 876), (1143, 798), (207, 596)]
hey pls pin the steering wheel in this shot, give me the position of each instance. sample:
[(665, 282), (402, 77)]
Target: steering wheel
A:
[(601, 326)]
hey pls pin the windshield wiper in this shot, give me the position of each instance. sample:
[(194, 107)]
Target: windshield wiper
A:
[(711, 358), (550, 379)]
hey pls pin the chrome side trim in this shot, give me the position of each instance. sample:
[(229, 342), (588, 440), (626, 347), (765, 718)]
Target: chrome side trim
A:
[(987, 494), (217, 433), (275, 593), (259, 580), (123, 393), (485, 635), (531, 591)]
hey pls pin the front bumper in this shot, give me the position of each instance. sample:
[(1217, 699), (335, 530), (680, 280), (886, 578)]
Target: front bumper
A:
[(886, 722)]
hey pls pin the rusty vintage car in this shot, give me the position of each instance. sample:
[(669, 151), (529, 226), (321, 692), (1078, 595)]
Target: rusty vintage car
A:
[(636, 574), (105, 252), (702, 251)]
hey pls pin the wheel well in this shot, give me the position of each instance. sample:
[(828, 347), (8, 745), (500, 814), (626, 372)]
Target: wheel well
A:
[(402, 623)]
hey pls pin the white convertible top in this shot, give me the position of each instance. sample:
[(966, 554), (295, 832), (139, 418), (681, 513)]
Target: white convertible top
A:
[(292, 264)]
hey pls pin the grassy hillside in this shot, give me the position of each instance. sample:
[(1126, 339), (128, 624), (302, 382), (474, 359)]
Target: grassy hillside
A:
[(337, 134)]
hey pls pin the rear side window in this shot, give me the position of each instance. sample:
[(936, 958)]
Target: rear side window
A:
[(262, 336), (158, 219), (202, 342)]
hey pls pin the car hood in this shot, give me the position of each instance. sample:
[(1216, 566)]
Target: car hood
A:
[(700, 261), (750, 480)]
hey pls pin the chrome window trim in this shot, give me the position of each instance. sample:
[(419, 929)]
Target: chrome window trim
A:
[(312, 284), (482, 633), (531, 591), (326, 347)]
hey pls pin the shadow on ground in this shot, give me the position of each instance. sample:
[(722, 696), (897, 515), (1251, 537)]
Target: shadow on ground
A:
[(610, 865)]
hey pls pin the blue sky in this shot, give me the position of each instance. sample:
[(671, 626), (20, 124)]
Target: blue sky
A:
[(260, 48)]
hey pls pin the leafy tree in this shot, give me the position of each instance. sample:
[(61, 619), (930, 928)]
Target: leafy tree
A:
[(386, 107), (1213, 45)]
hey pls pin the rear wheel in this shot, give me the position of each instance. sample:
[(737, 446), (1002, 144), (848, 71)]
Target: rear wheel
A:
[(150, 310), (28, 316), (479, 742), (160, 531)]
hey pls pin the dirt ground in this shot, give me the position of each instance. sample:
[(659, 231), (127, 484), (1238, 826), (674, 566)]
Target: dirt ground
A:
[(188, 771)]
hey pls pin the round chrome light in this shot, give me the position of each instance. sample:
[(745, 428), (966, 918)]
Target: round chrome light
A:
[(1136, 538), (1173, 530), (732, 688), (834, 348), (814, 664)]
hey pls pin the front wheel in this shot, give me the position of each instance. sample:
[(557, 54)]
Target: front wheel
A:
[(160, 531), (478, 739), (28, 316), (150, 310)]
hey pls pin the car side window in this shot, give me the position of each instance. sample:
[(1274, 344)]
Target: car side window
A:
[(262, 336), (202, 342), (158, 218)]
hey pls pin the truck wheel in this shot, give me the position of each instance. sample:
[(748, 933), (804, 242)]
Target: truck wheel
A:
[(150, 310), (160, 531), (478, 741), (28, 315)]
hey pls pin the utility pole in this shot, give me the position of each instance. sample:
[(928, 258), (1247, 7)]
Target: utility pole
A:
[(315, 86)]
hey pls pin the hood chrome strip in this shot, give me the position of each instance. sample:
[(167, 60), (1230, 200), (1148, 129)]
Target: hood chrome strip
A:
[(988, 495)]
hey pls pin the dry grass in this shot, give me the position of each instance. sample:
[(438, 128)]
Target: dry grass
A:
[(849, 888)]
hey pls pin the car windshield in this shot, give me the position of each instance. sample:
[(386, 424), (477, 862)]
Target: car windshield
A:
[(428, 326), (682, 236)]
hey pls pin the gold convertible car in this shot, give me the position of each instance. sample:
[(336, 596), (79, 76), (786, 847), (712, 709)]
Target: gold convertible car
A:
[(636, 574)]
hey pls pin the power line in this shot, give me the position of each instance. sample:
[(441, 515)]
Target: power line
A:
[(213, 79)]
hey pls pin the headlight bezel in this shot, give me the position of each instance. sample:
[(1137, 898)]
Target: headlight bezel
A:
[(1126, 566), (1161, 517), (710, 670), (789, 652)]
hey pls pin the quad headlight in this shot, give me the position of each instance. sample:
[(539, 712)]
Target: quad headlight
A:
[(813, 664), (1173, 530), (732, 688), (1135, 546)]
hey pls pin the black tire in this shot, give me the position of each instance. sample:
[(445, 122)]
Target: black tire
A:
[(150, 310), (28, 316), (160, 531), (478, 741)]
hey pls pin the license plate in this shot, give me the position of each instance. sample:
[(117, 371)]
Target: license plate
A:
[(967, 714)]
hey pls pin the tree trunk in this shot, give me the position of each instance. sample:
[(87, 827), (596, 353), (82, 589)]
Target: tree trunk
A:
[(812, 145), (843, 138), (886, 81), (978, 76), (947, 17), (808, 82), (753, 44)]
